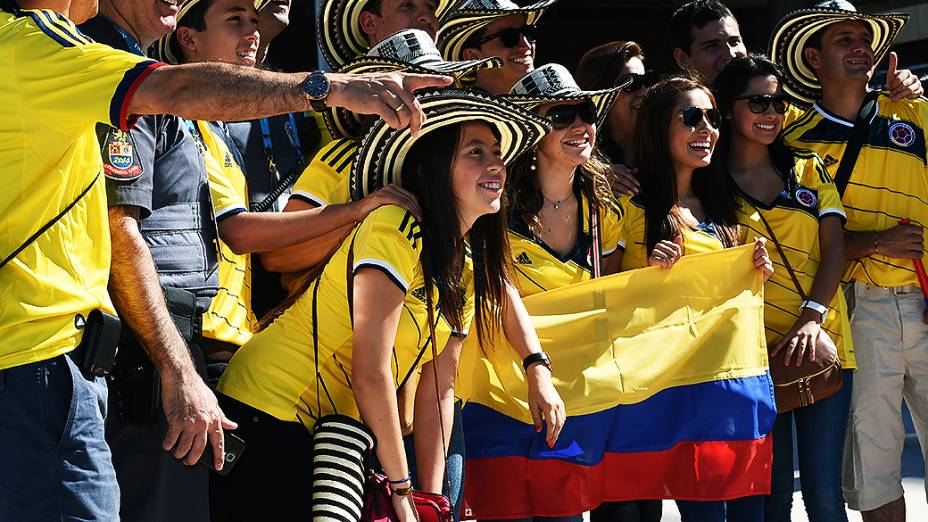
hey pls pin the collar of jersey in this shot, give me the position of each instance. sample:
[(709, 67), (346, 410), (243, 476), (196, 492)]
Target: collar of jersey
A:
[(828, 115)]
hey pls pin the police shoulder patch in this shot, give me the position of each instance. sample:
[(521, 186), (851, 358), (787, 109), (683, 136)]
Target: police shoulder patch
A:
[(121, 161)]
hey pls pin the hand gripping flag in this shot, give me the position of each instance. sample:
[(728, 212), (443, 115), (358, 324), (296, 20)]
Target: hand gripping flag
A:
[(664, 375)]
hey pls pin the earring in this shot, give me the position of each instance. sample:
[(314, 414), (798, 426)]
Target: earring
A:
[(534, 165)]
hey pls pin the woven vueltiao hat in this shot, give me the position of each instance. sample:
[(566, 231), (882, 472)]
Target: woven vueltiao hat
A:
[(379, 160), (793, 32), (161, 49), (474, 15), (341, 38), (552, 83), (412, 51)]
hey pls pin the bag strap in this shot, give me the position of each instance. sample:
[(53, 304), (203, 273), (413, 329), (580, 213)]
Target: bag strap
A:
[(597, 247), (789, 268), (856, 141), (49, 225)]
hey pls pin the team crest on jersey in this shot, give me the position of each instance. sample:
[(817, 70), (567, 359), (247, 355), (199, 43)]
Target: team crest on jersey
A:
[(902, 134), (228, 162), (120, 161), (806, 197), (523, 259)]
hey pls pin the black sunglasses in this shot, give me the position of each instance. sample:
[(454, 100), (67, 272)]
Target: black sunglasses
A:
[(561, 116), (692, 117), (638, 81), (511, 36), (759, 103)]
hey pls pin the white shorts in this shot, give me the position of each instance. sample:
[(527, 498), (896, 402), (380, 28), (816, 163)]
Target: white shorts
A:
[(891, 340)]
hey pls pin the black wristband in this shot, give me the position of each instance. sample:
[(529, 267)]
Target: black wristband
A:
[(538, 357)]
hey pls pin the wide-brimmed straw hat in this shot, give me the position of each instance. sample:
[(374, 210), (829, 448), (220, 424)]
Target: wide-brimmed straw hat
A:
[(552, 83), (341, 38), (793, 32), (411, 50), (379, 160), (473, 15), (161, 49)]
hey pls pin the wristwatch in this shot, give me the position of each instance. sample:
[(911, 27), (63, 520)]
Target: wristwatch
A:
[(818, 307), (316, 87), (539, 357)]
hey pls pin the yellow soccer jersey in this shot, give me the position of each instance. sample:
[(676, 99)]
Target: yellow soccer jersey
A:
[(57, 85), (325, 180), (539, 268), (703, 239), (794, 217), (889, 182), (229, 317), (275, 372)]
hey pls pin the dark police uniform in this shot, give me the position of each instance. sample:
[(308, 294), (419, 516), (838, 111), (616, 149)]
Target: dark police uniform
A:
[(272, 148), (158, 168)]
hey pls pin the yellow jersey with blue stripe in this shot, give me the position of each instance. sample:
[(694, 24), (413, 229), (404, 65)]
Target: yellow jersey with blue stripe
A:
[(539, 268), (704, 238), (325, 180), (276, 371), (794, 216), (57, 86), (229, 317), (889, 182)]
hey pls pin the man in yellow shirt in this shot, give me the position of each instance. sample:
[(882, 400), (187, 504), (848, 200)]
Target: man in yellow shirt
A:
[(54, 239), (829, 53)]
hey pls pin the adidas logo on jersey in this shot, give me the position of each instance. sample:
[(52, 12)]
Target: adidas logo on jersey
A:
[(829, 160), (523, 259), (419, 293)]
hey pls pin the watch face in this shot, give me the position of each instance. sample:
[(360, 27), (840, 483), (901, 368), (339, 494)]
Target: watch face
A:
[(316, 86)]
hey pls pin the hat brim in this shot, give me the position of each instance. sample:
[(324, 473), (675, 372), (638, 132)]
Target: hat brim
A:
[(462, 24), (793, 31), (379, 160), (340, 37), (602, 99), (343, 123)]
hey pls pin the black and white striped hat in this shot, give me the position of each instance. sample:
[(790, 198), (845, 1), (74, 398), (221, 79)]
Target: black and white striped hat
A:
[(552, 83), (474, 15), (379, 160), (793, 31), (411, 50)]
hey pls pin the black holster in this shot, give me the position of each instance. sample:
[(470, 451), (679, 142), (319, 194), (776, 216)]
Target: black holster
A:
[(94, 355), (135, 386)]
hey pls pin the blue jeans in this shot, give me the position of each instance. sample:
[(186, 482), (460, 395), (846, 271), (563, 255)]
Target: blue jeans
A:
[(55, 462), (820, 430), (455, 463), (744, 509)]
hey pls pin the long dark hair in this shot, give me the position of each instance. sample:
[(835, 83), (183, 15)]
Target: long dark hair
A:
[(427, 173), (658, 176), (525, 197), (731, 83)]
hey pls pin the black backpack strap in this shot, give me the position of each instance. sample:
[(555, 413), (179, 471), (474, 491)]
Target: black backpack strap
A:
[(856, 141), (49, 225)]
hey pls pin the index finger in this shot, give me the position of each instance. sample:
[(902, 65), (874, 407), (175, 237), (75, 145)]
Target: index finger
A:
[(413, 82)]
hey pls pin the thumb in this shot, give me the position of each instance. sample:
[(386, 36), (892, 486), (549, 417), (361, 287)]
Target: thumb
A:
[(891, 67), (678, 240), (414, 82)]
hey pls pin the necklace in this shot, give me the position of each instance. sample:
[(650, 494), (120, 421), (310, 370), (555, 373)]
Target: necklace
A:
[(555, 204)]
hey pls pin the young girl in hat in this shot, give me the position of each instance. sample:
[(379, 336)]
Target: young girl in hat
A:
[(331, 362), (771, 182), (685, 207)]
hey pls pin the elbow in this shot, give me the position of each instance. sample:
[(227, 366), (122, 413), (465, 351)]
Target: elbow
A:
[(237, 235)]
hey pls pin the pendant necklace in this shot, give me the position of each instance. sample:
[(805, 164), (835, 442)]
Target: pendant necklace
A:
[(555, 204)]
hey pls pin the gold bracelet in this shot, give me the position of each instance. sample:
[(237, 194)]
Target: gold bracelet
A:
[(403, 492)]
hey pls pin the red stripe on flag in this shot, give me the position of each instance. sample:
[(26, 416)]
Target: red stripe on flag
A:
[(517, 487)]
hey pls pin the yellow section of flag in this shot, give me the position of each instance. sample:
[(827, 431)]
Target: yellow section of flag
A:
[(620, 339)]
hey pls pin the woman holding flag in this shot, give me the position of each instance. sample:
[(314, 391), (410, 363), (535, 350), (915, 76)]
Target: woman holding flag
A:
[(684, 208), (780, 202)]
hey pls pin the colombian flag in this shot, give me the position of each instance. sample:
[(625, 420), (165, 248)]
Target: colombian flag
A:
[(664, 374)]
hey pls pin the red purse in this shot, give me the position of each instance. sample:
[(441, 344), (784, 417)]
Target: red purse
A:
[(379, 508)]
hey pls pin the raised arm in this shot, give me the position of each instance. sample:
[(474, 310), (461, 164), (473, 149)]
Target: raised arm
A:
[(223, 92)]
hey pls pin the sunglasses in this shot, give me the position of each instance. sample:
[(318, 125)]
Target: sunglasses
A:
[(693, 116), (511, 36), (638, 81), (759, 103), (562, 116)]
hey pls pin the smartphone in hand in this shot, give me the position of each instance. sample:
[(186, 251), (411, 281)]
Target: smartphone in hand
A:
[(234, 447)]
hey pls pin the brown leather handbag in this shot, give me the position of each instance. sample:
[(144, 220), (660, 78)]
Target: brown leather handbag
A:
[(799, 386)]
